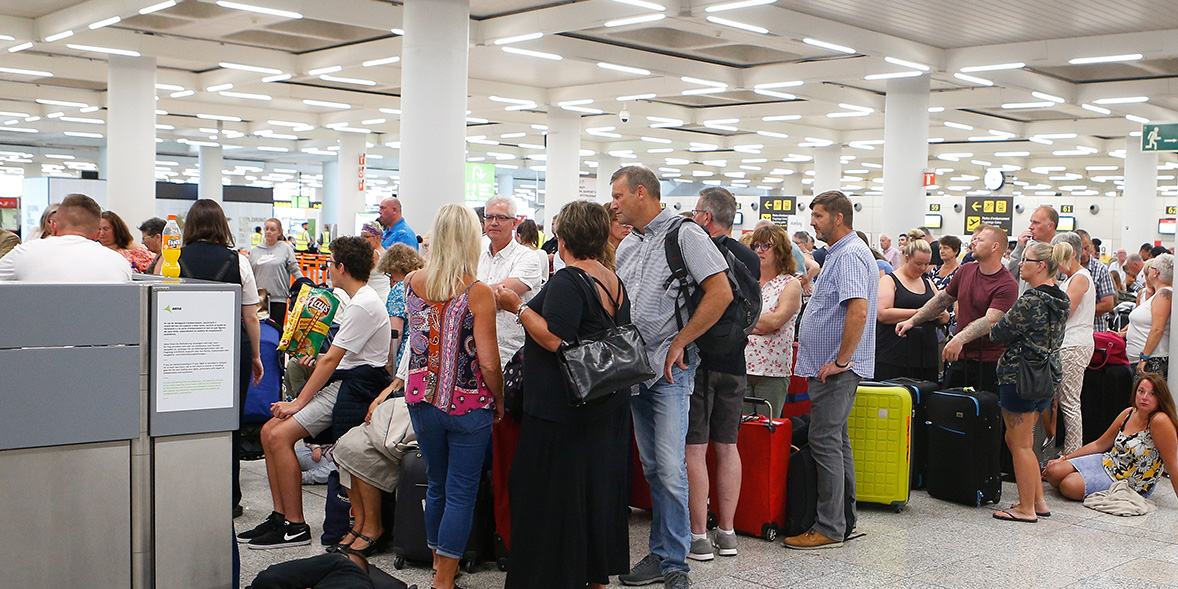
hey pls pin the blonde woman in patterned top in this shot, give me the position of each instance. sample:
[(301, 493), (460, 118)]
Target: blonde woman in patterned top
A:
[(1139, 446)]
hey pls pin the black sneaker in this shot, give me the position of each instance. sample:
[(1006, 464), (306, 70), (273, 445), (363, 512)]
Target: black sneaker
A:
[(285, 536), (275, 520)]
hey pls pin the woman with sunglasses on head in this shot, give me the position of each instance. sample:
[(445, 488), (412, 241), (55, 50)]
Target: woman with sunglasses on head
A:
[(1033, 331), (769, 355), (901, 294)]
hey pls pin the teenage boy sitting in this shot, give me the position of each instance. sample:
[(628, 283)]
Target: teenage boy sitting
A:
[(352, 366)]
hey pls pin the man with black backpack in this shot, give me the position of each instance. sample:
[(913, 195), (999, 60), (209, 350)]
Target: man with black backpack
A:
[(718, 397), (661, 407)]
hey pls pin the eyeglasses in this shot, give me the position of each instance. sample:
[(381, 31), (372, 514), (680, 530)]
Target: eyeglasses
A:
[(499, 218), (1032, 260), (761, 245), (699, 211)]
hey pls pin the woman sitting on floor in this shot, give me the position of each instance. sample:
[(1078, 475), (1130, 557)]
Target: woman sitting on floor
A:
[(1138, 447)]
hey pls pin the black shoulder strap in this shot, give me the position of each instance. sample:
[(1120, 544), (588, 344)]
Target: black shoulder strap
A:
[(1126, 422), (585, 278), (678, 270)]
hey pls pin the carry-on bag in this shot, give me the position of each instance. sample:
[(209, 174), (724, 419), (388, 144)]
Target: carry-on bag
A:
[(409, 523), (921, 389), (764, 446), (504, 439), (801, 503), (880, 428), (965, 441), (1106, 392)]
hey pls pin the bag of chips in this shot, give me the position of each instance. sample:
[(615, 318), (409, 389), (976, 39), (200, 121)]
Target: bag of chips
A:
[(308, 322)]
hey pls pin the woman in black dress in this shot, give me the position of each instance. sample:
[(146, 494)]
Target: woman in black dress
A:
[(901, 294), (568, 480)]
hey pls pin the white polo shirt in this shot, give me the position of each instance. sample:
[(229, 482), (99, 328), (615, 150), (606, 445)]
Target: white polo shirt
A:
[(66, 258), (513, 261)]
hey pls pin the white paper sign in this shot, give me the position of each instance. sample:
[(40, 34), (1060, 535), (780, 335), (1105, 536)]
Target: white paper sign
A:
[(195, 350)]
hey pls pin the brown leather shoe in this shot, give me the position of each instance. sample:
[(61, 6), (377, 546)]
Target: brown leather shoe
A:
[(811, 540)]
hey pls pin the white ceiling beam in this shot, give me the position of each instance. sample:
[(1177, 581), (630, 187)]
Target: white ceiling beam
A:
[(356, 13), (1057, 52), (78, 17), (553, 20)]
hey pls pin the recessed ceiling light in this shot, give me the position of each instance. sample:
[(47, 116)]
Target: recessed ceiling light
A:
[(643, 4), (531, 53), (1025, 105), (973, 79), (326, 104), (107, 50), (59, 36), (1043, 96), (1122, 100), (106, 22), (157, 7), (830, 46), (258, 9), (906, 63), (382, 61), (342, 80), (994, 67), (248, 68), (1098, 109), (278, 78), (518, 38), (67, 103), (331, 69), (737, 25), (21, 47), (636, 97), (1105, 59), (623, 68), (219, 87), (893, 75), (24, 72), (247, 96)]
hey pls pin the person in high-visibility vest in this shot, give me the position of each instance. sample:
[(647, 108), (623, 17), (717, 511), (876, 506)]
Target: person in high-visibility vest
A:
[(325, 242), (302, 240), (257, 238)]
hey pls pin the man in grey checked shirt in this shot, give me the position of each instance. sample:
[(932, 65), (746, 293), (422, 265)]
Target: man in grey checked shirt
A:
[(835, 351), (662, 404)]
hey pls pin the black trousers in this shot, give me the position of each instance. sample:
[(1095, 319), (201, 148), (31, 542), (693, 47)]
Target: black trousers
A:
[(326, 571)]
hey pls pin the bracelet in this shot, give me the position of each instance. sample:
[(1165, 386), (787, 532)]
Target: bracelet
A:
[(1144, 357), (519, 311), (836, 363)]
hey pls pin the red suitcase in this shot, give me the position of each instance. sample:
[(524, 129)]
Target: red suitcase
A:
[(639, 488), (504, 439), (764, 446)]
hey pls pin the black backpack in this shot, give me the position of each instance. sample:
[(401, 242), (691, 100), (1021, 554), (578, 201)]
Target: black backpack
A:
[(732, 329)]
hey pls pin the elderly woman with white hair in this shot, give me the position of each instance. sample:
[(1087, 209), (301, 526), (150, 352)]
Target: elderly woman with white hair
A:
[(1077, 347), (1147, 338)]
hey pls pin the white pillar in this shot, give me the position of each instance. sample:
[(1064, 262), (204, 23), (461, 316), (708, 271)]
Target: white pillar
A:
[(563, 164), (606, 166), (1140, 201), (792, 184), (210, 162), (101, 163), (330, 211), (505, 183), (350, 196), (828, 169), (433, 106), (905, 155), (130, 133)]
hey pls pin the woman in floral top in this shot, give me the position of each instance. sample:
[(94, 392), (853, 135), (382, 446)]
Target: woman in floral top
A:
[(114, 234), (769, 355)]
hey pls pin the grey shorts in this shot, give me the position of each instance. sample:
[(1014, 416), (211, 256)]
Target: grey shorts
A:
[(715, 408), (316, 416)]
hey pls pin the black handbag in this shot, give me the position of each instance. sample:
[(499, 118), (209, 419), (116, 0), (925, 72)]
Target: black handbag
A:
[(596, 366), (1034, 379)]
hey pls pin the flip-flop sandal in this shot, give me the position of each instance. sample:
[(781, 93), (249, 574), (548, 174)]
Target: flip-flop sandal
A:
[(1013, 517), (1038, 513)]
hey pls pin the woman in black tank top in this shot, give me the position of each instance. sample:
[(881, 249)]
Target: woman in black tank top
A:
[(901, 294)]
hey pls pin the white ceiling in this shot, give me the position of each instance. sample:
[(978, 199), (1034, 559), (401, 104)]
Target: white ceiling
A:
[(190, 39)]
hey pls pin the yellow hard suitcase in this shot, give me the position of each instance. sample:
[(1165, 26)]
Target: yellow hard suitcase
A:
[(880, 428)]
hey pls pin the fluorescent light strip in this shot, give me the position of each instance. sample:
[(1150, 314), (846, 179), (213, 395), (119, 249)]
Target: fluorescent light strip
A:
[(905, 63), (642, 4), (518, 38), (81, 134), (623, 68), (655, 140), (1012, 154), (169, 87), (247, 96), (61, 103), (157, 7), (1025, 105), (326, 104), (1093, 108), (19, 130), (342, 80), (772, 134), (83, 120), (961, 126), (59, 36), (775, 118), (736, 5), (830, 46), (776, 94), (325, 70), (635, 20), (21, 47), (1043, 96), (383, 61), (7, 38), (1137, 119), (218, 117), (182, 94), (272, 148), (4, 113), (893, 75), (258, 9), (503, 99), (531, 53), (993, 68), (106, 22), (107, 50), (277, 78), (248, 68), (737, 25), (973, 79), (636, 97), (701, 82), (847, 114), (390, 111), (1122, 100), (1105, 59), (23, 72), (582, 109), (219, 87)]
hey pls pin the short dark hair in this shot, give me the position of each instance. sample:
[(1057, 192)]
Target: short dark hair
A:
[(1145, 247), (951, 242), (584, 229), (206, 222), (122, 235), (720, 203), (639, 176), (78, 211), (1158, 250), (528, 232), (355, 253), (153, 227), (835, 202)]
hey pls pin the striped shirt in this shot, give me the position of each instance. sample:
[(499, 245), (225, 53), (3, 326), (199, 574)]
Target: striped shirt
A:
[(849, 273), (642, 266), (1104, 288)]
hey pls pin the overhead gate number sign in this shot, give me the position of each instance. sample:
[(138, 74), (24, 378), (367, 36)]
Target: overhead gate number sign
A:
[(779, 209), (991, 210), (1159, 137)]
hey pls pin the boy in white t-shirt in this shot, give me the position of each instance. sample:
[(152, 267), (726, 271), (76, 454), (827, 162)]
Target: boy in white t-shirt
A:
[(352, 371)]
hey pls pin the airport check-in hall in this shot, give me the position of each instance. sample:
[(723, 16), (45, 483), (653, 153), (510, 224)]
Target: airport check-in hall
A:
[(362, 123)]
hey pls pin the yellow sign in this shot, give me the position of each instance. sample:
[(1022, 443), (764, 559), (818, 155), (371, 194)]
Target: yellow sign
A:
[(780, 205), (1172, 210), (971, 223), (987, 206), (999, 206), (1067, 209), (934, 207)]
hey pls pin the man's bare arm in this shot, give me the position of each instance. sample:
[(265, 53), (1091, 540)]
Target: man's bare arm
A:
[(934, 307), (980, 326)]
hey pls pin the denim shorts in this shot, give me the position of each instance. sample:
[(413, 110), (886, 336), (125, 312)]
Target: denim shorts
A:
[(1009, 400)]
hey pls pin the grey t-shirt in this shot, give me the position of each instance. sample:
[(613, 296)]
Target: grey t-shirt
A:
[(273, 268)]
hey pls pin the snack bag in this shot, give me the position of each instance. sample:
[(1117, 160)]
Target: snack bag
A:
[(308, 322)]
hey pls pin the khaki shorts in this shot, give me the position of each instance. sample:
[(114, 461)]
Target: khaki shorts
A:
[(316, 416)]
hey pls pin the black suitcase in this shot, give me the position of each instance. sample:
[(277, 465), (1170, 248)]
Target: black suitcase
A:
[(921, 389), (964, 444), (1107, 391), (409, 520), (801, 495)]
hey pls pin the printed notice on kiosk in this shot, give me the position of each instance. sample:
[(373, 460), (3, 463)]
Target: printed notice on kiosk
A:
[(195, 349)]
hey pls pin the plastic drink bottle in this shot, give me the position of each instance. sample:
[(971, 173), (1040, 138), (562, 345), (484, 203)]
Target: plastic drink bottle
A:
[(171, 244)]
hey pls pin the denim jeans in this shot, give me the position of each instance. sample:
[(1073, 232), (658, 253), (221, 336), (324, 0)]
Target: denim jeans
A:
[(660, 428), (454, 448)]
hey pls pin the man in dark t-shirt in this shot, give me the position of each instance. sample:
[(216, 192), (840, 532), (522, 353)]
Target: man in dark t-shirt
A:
[(984, 291), (716, 403)]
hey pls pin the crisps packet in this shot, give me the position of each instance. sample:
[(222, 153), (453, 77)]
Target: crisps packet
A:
[(308, 322)]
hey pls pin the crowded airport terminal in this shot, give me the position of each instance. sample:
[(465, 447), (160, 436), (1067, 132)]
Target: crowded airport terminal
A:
[(568, 294)]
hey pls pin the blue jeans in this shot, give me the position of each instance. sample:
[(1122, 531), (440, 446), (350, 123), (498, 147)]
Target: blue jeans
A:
[(454, 448), (660, 429)]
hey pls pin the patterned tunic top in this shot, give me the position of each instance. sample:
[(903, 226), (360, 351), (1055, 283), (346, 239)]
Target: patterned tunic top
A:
[(444, 366), (396, 308), (1134, 458), (772, 354)]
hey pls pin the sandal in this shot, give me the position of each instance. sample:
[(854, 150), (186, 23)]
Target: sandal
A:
[(367, 550), (1010, 517), (339, 546), (1037, 512)]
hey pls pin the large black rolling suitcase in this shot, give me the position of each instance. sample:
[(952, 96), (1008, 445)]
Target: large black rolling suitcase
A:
[(1107, 391), (921, 389), (409, 522), (964, 444)]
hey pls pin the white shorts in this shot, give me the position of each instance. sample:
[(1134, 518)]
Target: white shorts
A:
[(316, 416)]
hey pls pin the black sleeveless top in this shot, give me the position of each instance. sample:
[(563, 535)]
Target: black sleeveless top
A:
[(919, 348), (210, 261)]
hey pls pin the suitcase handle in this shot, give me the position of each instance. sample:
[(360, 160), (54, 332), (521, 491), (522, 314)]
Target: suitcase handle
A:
[(760, 401)]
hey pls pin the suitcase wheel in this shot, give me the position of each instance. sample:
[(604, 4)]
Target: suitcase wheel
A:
[(398, 562), (712, 523), (502, 562), (467, 565), (897, 508), (769, 531)]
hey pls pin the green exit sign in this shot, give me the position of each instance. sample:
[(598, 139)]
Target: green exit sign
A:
[(1159, 137)]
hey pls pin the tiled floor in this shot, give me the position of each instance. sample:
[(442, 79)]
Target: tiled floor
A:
[(930, 544)]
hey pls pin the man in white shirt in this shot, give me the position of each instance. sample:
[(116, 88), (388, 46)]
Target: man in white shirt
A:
[(72, 255), (505, 261)]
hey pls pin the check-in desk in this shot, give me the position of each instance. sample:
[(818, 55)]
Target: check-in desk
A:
[(116, 407)]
